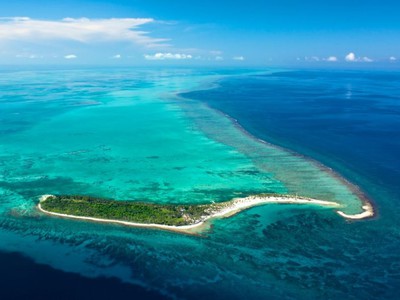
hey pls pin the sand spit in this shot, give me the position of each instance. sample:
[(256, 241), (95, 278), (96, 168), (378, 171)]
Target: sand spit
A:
[(367, 213)]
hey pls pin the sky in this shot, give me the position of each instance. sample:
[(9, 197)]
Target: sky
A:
[(206, 32)]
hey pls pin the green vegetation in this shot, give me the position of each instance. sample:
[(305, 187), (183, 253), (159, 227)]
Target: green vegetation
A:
[(131, 211), (140, 212)]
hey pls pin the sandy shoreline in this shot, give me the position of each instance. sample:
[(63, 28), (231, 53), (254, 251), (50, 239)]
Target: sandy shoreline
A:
[(233, 207), (367, 213)]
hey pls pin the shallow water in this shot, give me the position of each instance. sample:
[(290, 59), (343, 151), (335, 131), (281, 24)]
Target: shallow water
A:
[(123, 134)]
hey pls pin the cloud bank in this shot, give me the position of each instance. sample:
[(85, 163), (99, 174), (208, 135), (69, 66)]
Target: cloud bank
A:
[(167, 56), (332, 59), (367, 59), (82, 30), (351, 57), (240, 58), (70, 56)]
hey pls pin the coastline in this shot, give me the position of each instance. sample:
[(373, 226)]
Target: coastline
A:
[(367, 213), (235, 206), (239, 204)]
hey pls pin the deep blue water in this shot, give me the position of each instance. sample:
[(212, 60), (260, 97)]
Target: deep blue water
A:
[(21, 278), (350, 121)]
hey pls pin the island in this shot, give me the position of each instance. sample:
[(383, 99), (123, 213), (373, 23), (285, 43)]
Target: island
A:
[(175, 217)]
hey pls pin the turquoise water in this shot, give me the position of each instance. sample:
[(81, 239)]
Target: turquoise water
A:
[(126, 134)]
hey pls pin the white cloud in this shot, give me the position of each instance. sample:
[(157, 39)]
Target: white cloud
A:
[(26, 55), (216, 52), (168, 56), (117, 56), (392, 58), (81, 30), (219, 58), (312, 58), (367, 59), (332, 59), (240, 58), (70, 56), (350, 57)]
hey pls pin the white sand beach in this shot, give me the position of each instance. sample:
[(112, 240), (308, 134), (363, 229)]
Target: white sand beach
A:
[(367, 213)]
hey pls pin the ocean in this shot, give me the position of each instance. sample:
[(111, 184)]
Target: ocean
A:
[(185, 135)]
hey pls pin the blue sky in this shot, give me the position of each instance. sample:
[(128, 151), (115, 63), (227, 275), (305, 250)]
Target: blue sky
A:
[(268, 32)]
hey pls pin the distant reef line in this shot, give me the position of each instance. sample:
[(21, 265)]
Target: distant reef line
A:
[(367, 204)]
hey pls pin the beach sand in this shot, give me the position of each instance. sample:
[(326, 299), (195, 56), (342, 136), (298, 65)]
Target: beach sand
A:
[(367, 213)]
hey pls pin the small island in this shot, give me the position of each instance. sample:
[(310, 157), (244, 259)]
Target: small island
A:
[(176, 217)]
